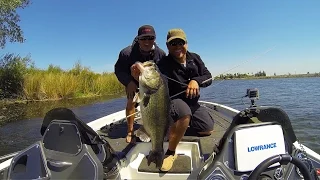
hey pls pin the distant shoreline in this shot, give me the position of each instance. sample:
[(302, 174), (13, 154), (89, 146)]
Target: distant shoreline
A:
[(272, 77)]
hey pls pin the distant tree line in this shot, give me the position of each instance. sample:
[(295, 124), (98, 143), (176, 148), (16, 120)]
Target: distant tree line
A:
[(259, 74), (262, 74), (241, 75)]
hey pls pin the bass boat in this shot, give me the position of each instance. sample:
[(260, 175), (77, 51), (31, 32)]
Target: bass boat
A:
[(255, 143)]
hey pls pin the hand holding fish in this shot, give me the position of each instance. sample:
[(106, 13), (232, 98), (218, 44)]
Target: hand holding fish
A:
[(192, 89), (135, 71)]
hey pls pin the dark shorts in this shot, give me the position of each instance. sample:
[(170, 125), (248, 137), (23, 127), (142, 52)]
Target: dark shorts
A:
[(200, 121)]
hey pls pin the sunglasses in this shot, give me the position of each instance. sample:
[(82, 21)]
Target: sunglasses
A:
[(177, 43), (150, 38)]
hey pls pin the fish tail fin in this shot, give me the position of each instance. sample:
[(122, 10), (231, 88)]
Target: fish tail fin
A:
[(156, 156)]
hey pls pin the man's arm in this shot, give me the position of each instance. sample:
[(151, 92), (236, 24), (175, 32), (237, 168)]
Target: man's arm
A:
[(122, 68), (205, 74)]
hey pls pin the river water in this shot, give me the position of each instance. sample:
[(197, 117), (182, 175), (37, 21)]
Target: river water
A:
[(299, 97)]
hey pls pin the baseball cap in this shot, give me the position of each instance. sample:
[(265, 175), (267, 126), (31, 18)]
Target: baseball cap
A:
[(176, 34), (146, 30)]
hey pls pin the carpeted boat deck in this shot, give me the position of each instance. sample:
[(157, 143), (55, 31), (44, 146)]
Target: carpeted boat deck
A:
[(117, 133), (181, 165)]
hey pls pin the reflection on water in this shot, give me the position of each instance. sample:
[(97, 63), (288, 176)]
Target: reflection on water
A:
[(20, 111), (21, 123)]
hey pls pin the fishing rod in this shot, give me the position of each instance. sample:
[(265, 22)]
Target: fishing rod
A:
[(212, 78), (254, 58)]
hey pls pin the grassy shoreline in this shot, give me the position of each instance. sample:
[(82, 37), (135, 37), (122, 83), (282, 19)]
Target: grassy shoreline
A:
[(22, 82), (61, 86)]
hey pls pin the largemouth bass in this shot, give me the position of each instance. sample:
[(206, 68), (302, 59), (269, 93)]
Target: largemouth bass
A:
[(155, 108)]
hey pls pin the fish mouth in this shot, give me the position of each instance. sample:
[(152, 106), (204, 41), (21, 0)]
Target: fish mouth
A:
[(150, 77)]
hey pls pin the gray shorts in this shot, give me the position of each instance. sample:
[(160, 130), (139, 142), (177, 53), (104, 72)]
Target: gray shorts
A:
[(200, 121)]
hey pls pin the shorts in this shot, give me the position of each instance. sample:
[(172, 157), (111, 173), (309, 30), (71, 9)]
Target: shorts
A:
[(200, 121)]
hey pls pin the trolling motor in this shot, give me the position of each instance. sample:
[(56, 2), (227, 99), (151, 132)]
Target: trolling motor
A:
[(253, 95)]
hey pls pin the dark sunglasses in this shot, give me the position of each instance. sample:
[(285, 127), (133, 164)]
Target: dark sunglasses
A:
[(150, 38), (177, 43)]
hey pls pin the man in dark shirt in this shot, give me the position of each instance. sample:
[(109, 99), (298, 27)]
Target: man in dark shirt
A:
[(186, 73), (143, 49)]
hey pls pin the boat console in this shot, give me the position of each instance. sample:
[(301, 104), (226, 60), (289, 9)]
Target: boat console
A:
[(258, 145)]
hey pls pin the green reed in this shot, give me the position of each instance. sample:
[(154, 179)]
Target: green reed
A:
[(30, 83)]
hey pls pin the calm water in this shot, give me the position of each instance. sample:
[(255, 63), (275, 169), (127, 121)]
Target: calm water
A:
[(299, 97)]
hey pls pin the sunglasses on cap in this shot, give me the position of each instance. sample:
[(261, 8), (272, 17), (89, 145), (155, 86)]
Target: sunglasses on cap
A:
[(177, 43), (150, 38)]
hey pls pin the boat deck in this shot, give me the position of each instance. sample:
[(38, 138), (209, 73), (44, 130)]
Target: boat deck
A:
[(116, 137)]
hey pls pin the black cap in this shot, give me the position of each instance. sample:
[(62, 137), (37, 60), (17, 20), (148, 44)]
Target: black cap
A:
[(146, 30)]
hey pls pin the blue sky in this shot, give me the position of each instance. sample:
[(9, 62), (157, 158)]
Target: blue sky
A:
[(226, 34)]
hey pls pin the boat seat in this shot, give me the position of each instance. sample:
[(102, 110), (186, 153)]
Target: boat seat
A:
[(29, 164), (64, 132), (88, 135), (38, 162)]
